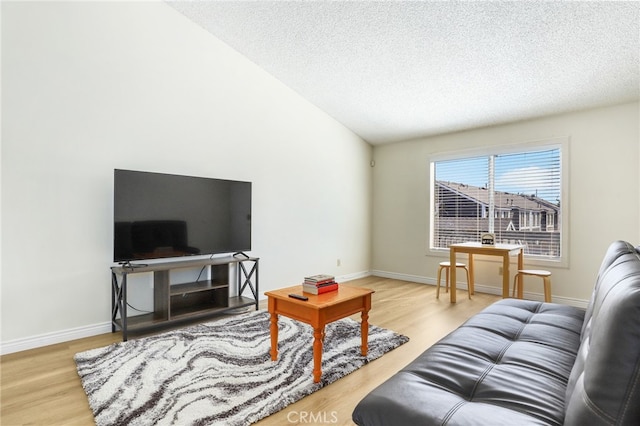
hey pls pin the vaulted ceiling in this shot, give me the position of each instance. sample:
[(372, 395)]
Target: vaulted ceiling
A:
[(398, 70)]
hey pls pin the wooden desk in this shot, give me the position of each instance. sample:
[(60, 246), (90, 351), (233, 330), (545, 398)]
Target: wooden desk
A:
[(318, 311), (471, 248)]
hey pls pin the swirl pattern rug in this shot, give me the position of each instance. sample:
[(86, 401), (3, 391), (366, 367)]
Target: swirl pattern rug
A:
[(219, 372)]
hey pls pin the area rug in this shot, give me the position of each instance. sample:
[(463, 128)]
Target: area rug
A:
[(219, 372)]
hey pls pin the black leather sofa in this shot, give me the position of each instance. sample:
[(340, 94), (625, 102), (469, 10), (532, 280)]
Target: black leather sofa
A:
[(522, 362)]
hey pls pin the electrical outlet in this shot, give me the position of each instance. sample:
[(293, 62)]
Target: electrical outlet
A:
[(500, 270), (338, 262)]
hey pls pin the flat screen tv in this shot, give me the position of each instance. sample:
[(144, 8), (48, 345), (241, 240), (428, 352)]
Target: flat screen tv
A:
[(160, 215)]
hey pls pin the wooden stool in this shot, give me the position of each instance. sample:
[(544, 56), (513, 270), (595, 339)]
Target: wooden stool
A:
[(546, 279), (447, 265)]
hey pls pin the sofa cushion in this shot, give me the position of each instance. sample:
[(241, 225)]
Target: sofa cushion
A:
[(509, 364), (604, 387)]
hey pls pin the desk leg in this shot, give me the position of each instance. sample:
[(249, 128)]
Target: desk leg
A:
[(317, 353), (520, 277), (452, 275), (471, 283), (505, 276)]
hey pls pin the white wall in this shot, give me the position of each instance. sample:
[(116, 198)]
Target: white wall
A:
[(604, 185), (93, 86)]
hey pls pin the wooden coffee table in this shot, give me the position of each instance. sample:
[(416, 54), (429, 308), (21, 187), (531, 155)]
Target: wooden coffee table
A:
[(318, 311)]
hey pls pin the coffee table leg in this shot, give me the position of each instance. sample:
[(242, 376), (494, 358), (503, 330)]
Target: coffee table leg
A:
[(364, 333), (318, 334), (274, 336)]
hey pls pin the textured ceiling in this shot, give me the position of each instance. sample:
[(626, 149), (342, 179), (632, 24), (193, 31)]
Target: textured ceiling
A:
[(397, 70)]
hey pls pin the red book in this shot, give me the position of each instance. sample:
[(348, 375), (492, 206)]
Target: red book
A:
[(306, 288)]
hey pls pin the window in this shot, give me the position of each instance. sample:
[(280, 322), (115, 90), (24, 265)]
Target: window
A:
[(514, 193)]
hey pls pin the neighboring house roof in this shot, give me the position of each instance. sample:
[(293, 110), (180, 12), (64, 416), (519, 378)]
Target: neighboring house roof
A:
[(502, 200)]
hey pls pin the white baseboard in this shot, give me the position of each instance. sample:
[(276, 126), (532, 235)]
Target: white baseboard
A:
[(580, 303), (38, 341), (404, 277), (354, 276)]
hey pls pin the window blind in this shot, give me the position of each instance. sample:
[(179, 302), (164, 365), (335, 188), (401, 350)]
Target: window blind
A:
[(515, 195)]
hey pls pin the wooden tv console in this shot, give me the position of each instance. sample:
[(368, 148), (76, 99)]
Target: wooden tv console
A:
[(186, 301)]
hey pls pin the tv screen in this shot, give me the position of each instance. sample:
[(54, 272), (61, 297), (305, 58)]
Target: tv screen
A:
[(160, 215)]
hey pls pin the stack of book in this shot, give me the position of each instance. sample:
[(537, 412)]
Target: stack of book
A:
[(318, 284)]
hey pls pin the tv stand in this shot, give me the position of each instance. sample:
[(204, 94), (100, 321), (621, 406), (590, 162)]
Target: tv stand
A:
[(185, 302)]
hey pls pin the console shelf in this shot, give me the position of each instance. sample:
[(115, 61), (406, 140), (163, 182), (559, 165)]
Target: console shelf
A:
[(184, 301)]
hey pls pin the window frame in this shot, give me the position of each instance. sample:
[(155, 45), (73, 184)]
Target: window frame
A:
[(561, 143)]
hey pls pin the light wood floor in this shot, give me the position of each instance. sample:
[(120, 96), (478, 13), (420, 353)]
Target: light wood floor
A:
[(41, 386)]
